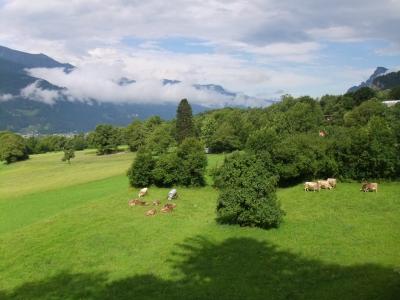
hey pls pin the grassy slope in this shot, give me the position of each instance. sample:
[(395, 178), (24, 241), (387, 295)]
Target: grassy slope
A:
[(69, 234)]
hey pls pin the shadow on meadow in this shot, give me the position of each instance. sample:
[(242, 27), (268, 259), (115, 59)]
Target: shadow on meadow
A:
[(238, 268)]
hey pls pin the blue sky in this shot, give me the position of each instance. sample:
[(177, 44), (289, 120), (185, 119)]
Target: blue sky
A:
[(262, 48)]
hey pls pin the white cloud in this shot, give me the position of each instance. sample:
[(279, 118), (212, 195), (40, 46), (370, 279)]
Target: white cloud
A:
[(257, 46), (34, 92), (6, 97)]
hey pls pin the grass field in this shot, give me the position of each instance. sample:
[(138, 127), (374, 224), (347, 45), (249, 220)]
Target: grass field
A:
[(66, 232)]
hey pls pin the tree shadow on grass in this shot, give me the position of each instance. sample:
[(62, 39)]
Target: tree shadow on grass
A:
[(238, 268)]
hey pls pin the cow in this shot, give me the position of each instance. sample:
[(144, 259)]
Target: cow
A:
[(137, 202), (143, 192), (150, 212), (156, 202), (311, 186), (324, 184), (332, 182), (169, 207), (369, 187), (173, 194)]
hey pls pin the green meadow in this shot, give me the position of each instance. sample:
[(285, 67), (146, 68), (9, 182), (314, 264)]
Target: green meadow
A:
[(67, 232)]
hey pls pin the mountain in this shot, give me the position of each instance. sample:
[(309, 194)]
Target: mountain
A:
[(369, 83), (27, 116), (28, 60), (22, 111), (387, 81)]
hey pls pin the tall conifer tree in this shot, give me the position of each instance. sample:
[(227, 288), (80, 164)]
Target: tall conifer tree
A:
[(184, 121)]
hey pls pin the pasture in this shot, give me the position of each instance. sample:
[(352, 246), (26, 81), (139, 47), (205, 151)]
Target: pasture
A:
[(66, 232)]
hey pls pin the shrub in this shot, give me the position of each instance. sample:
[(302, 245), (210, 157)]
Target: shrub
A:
[(140, 173), (194, 162), (12, 148), (168, 169), (247, 196)]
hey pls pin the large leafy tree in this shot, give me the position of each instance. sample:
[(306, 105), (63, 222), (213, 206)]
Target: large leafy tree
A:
[(12, 148), (184, 121), (135, 135), (106, 139), (247, 192)]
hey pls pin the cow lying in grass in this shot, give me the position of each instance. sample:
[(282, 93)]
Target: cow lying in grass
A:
[(369, 187), (169, 207), (150, 212), (311, 186), (137, 202), (156, 202)]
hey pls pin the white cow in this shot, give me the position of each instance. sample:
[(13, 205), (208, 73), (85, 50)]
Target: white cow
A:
[(143, 192)]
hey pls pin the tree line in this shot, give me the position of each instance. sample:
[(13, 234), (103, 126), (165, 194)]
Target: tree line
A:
[(360, 139)]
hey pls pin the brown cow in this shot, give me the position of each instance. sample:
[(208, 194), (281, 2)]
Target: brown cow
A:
[(332, 182), (311, 186), (151, 212), (169, 207), (369, 187), (324, 184), (137, 202), (156, 202)]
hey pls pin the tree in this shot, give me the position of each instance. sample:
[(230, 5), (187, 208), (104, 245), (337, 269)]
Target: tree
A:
[(140, 173), (184, 121), (106, 139), (185, 166), (68, 155), (248, 192), (208, 128), (361, 114), (135, 135), (160, 139), (194, 162), (12, 148), (395, 93), (363, 94)]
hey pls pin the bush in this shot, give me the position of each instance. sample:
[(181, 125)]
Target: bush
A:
[(247, 196), (168, 170), (140, 173), (12, 148), (194, 162)]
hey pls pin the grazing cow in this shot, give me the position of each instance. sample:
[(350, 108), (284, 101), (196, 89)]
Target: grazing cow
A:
[(156, 202), (332, 182), (151, 212), (169, 207), (369, 187), (311, 186), (143, 192), (324, 184), (173, 194), (137, 202)]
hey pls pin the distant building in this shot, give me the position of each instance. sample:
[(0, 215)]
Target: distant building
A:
[(390, 103)]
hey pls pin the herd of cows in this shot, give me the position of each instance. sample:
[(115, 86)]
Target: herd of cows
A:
[(330, 183), (167, 208)]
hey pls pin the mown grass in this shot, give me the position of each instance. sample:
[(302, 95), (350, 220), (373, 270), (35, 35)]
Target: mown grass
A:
[(78, 239)]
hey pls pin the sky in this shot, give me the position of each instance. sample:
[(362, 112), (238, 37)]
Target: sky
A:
[(261, 48)]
